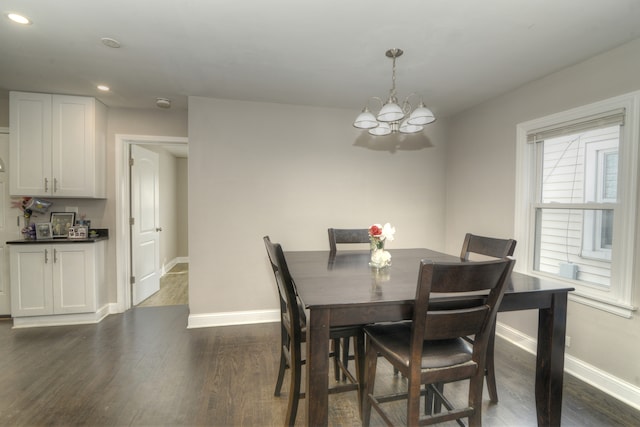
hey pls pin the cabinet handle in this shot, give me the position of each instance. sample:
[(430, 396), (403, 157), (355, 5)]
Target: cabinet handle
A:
[(55, 185), (55, 256), (158, 228), (46, 256), (46, 185)]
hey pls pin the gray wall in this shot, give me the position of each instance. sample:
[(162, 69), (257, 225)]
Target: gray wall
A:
[(291, 172), (182, 217), (481, 194)]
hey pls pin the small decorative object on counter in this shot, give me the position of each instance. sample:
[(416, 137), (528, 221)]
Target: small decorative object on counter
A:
[(29, 230), (78, 232), (378, 235)]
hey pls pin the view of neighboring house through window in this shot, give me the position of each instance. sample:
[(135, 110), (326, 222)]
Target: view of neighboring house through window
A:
[(578, 176), (576, 192)]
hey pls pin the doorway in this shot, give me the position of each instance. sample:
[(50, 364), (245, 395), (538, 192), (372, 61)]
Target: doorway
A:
[(173, 212)]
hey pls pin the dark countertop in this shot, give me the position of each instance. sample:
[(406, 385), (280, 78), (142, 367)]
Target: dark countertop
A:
[(103, 234)]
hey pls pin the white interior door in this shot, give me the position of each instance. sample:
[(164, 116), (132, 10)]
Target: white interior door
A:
[(9, 228), (145, 230)]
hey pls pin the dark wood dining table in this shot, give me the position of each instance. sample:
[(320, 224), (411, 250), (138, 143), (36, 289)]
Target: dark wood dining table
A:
[(341, 289)]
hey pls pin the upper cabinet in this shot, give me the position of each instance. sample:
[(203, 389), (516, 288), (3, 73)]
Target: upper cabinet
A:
[(57, 145)]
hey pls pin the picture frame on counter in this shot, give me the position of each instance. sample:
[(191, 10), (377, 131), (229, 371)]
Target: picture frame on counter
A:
[(61, 222), (78, 232), (43, 231)]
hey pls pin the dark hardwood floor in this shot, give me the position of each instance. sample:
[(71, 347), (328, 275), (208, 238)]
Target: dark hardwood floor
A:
[(144, 368)]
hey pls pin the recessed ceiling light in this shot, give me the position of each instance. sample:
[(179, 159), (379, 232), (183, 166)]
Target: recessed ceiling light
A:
[(103, 88), (18, 18), (109, 42)]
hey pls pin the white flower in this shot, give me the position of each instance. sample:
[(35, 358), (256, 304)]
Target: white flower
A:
[(381, 257), (388, 231)]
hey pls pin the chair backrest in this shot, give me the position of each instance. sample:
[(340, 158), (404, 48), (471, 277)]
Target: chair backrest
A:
[(347, 235), (290, 306), (453, 320), (487, 246)]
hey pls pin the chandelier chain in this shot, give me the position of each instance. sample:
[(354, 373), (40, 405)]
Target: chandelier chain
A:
[(393, 80)]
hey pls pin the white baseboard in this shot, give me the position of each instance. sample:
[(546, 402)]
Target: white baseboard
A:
[(232, 318), (61, 319), (178, 260), (617, 388)]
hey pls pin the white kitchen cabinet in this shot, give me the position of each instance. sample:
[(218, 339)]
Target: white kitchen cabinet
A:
[(57, 145), (57, 279)]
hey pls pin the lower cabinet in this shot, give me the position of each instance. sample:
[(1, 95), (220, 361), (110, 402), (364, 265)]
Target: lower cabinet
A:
[(57, 279)]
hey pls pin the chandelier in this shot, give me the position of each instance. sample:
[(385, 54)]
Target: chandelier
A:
[(392, 117)]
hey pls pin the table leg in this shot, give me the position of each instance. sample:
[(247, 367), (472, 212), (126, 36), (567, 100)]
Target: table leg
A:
[(317, 399), (552, 325)]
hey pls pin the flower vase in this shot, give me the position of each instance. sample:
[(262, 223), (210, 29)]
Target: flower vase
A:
[(379, 257), (29, 230)]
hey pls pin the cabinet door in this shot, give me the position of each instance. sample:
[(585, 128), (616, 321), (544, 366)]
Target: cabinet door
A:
[(31, 293), (73, 148), (73, 278), (30, 144)]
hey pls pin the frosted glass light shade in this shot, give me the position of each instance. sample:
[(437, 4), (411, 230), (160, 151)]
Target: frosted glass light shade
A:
[(365, 120), (382, 130), (421, 116), (390, 112), (407, 127)]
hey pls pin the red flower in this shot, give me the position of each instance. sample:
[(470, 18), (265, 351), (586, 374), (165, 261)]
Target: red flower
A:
[(375, 230)]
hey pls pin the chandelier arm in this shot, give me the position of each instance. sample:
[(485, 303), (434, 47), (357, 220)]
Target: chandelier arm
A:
[(377, 98), (407, 106)]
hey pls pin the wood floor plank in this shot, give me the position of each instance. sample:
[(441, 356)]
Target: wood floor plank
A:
[(174, 288), (144, 368)]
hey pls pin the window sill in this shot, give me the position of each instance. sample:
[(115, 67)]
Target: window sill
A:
[(619, 309)]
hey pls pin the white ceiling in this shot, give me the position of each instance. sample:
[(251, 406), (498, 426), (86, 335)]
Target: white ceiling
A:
[(329, 53)]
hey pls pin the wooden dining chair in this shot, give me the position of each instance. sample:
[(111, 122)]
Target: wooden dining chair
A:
[(340, 236), (294, 334), (346, 236), (431, 349), (487, 247)]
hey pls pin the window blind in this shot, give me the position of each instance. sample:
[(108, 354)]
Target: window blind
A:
[(608, 118)]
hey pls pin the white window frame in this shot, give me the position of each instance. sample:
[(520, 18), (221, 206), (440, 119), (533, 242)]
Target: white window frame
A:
[(617, 298), (594, 183)]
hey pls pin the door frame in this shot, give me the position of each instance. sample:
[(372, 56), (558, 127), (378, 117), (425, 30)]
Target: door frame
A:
[(123, 209)]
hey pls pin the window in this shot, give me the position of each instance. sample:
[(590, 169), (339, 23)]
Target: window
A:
[(576, 200)]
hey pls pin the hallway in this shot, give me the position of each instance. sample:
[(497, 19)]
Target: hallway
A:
[(174, 288)]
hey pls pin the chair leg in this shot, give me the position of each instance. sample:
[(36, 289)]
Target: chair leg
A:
[(345, 356), (335, 350), (437, 403), (371, 360), (294, 387), (283, 362), (490, 370), (428, 400), (475, 399), (359, 356), (413, 400)]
